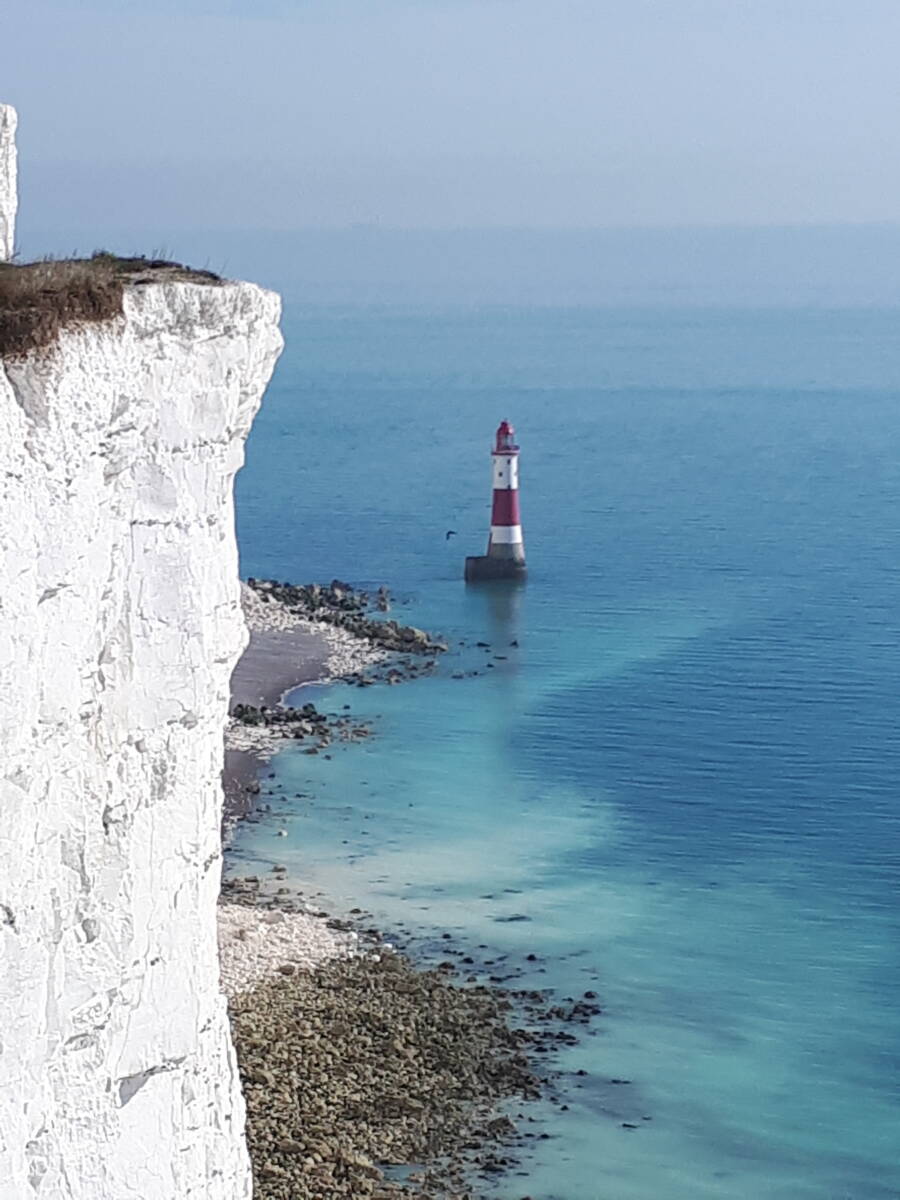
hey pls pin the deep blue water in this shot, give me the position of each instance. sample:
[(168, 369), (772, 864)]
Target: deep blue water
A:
[(686, 775)]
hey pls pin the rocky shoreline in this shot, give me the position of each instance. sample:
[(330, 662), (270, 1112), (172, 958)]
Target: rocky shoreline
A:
[(340, 606), (368, 1063), (366, 1075)]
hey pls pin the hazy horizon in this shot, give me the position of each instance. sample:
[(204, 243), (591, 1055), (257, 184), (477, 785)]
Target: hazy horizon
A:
[(837, 266), (476, 151), (430, 114)]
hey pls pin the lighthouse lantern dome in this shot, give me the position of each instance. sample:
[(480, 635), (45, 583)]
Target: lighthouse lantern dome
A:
[(506, 439)]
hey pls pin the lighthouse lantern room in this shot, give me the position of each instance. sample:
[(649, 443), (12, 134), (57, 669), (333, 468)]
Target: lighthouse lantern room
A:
[(505, 557)]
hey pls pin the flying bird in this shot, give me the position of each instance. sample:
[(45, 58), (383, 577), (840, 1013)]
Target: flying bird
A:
[(449, 534)]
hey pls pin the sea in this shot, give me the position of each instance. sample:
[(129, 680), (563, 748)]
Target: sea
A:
[(673, 773)]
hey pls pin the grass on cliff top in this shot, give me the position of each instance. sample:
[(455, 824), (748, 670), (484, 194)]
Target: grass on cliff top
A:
[(39, 299)]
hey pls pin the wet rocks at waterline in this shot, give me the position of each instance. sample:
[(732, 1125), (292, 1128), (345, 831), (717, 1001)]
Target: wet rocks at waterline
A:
[(345, 607)]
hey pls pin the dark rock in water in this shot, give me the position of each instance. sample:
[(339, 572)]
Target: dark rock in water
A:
[(514, 917)]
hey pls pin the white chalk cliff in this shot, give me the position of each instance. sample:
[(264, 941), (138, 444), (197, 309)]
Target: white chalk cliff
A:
[(120, 623), (8, 193)]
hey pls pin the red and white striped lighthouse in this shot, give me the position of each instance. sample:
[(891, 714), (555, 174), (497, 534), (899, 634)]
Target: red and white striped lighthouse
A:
[(505, 558)]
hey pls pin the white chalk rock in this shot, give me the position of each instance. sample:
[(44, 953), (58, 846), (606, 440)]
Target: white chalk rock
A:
[(8, 198), (120, 623)]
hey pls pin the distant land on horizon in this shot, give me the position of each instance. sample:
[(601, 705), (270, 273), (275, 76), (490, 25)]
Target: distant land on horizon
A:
[(822, 266)]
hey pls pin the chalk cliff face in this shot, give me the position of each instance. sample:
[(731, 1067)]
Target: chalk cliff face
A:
[(119, 626), (7, 180)]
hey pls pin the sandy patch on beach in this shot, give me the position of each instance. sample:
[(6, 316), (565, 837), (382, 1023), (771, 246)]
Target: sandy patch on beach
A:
[(284, 652), (258, 944), (344, 652)]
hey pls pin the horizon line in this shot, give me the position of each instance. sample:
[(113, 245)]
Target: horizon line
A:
[(379, 227)]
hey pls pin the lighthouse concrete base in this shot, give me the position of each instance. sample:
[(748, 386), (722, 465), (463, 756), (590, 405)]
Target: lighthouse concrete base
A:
[(485, 568)]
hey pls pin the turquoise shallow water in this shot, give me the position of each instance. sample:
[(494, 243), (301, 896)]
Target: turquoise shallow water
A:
[(686, 774)]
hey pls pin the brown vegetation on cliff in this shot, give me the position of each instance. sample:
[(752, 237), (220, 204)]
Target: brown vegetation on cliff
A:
[(39, 299)]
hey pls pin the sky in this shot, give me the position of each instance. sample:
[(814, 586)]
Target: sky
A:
[(454, 114)]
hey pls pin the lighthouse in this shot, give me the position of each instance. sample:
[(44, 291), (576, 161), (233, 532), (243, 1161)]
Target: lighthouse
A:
[(505, 557)]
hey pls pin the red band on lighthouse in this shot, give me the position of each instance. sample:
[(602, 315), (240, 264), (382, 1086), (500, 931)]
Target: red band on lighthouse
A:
[(506, 507)]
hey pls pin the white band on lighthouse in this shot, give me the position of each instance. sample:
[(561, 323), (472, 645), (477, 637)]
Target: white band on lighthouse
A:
[(506, 471), (506, 535)]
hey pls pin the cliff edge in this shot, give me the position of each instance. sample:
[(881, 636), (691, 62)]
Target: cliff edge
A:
[(120, 623)]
